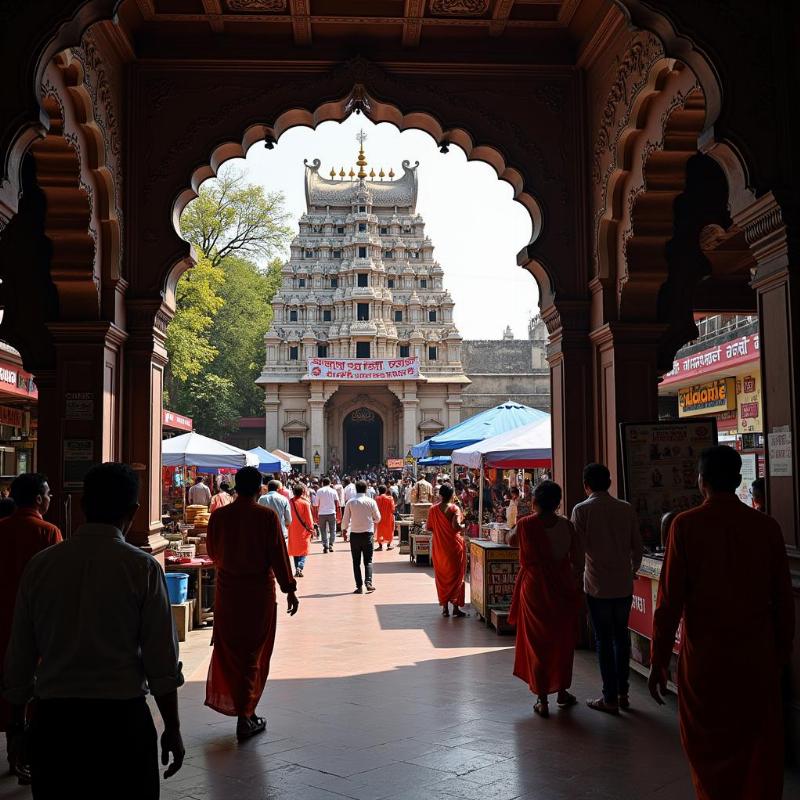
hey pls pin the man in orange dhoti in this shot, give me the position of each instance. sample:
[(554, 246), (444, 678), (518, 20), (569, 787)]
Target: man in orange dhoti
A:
[(246, 543), (448, 552), (385, 532), (726, 573)]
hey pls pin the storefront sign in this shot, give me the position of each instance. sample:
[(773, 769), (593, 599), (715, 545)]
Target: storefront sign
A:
[(79, 405), (394, 463), (779, 442), (748, 403), (641, 617), (363, 369), (739, 351), (16, 381), (749, 474), (177, 421), (707, 398), (14, 417)]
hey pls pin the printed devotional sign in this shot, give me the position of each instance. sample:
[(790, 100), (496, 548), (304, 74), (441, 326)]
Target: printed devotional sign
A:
[(707, 398), (748, 403), (363, 369)]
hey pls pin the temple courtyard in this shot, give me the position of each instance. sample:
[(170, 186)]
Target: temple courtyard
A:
[(375, 697)]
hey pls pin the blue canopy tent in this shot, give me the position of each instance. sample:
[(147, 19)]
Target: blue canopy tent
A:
[(435, 461), (491, 422), (269, 462)]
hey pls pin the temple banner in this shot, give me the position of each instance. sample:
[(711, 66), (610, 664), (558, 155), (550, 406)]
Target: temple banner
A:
[(363, 369)]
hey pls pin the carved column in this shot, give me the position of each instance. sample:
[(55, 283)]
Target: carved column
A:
[(272, 406), (626, 385), (316, 434), (410, 410), (145, 360), (570, 357)]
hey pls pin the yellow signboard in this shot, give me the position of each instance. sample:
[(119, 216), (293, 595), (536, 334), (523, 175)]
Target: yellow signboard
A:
[(748, 403), (707, 398)]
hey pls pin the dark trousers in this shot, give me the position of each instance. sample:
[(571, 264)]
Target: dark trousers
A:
[(93, 749), (361, 545), (610, 624)]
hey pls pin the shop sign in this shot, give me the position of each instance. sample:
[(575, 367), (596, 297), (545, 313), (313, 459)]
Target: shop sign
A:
[(394, 463), (779, 444), (641, 616), (707, 398), (16, 381), (363, 369), (748, 403), (715, 359), (13, 417), (177, 421)]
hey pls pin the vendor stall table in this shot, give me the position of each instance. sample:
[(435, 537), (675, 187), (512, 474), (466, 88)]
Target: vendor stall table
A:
[(493, 570), (196, 567), (420, 548), (404, 526)]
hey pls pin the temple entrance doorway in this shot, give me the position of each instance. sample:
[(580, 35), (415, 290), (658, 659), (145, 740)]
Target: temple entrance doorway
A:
[(363, 439)]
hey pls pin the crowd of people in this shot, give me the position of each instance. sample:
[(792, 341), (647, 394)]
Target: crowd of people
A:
[(63, 682)]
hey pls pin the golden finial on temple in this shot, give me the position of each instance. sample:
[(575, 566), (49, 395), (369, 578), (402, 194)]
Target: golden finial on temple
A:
[(342, 173), (352, 174), (333, 172), (391, 172), (372, 173), (361, 161), (381, 174)]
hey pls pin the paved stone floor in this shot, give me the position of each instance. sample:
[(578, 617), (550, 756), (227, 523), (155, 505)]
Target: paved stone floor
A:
[(376, 696)]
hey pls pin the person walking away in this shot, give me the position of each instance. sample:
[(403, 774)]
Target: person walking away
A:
[(23, 534), (385, 532), (546, 600), (221, 498), (735, 750), (199, 494), (422, 492), (361, 514), (513, 507), (245, 543), (448, 552), (300, 530), (278, 503), (348, 493), (609, 533), (92, 635), (327, 508)]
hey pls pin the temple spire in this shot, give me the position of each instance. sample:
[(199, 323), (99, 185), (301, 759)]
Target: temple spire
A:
[(362, 159)]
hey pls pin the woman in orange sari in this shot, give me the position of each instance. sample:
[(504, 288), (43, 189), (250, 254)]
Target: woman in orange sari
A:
[(448, 552), (301, 529), (546, 599), (385, 530)]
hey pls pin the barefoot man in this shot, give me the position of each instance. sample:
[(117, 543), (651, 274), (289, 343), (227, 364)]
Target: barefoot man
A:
[(448, 551), (246, 542)]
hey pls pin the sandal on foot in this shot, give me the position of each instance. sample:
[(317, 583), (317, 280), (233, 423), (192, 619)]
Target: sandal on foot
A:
[(600, 705), (457, 612), (445, 612), (255, 725), (569, 700), (542, 709)]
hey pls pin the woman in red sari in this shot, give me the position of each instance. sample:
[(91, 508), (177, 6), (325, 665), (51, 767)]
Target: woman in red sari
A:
[(546, 599), (301, 529), (448, 552)]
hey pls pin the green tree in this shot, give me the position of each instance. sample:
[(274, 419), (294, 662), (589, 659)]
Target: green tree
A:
[(211, 401), (232, 217)]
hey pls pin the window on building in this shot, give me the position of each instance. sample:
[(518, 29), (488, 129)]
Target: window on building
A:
[(340, 230), (301, 283), (294, 353), (423, 283), (406, 229), (326, 315), (362, 252), (362, 312), (362, 350), (322, 351), (293, 315), (388, 255), (404, 350), (362, 209), (398, 316), (309, 254), (362, 227), (431, 354), (384, 230), (414, 254), (390, 283), (362, 279), (334, 283), (337, 253), (431, 316), (295, 446)]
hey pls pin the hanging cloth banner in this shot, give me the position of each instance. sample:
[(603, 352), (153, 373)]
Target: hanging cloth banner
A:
[(363, 369)]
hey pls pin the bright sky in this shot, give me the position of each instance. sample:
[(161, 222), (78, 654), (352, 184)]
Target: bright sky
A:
[(476, 227)]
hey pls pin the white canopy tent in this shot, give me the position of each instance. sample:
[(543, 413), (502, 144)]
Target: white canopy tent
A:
[(194, 450), (293, 460)]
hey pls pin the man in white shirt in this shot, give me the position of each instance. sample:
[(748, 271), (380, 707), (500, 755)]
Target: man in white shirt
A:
[(327, 503), (279, 504), (92, 634), (199, 494), (371, 491), (361, 514), (348, 493)]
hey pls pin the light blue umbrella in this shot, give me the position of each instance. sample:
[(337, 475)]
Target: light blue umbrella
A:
[(269, 462)]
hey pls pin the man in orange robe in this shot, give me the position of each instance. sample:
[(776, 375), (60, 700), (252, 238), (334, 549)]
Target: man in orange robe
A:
[(22, 536), (448, 552), (385, 532), (246, 542), (726, 573)]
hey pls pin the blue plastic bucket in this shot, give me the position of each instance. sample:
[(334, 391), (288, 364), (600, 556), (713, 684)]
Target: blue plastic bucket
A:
[(177, 587)]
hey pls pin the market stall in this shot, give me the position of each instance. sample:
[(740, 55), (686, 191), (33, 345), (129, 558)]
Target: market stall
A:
[(269, 462), (292, 460)]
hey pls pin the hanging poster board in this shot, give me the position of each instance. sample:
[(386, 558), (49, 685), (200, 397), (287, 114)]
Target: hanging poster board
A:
[(749, 474), (659, 468)]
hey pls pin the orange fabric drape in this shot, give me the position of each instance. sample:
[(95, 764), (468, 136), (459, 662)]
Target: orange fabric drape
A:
[(726, 573), (544, 609), (385, 531), (300, 535), (448, 554), (246, 543)]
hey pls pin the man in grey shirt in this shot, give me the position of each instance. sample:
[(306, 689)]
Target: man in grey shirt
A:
[(92, 634), (608, 529), (279, 504)]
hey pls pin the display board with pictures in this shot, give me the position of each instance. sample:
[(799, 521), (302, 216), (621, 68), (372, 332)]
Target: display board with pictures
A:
[(659, 464)]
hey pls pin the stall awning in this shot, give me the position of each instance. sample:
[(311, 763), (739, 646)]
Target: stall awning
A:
[(194, 450), (492, 422), (435, 461), (269, 462), (524, 447), (293, 460)]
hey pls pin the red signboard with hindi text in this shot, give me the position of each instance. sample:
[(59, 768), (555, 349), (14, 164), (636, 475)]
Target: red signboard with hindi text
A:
[(363, 369)]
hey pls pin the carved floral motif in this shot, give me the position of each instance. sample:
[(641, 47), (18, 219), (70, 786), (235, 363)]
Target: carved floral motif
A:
[(256, 5), (459, 8)]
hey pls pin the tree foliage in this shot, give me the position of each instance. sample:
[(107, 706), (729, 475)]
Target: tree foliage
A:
[(232, 217)]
